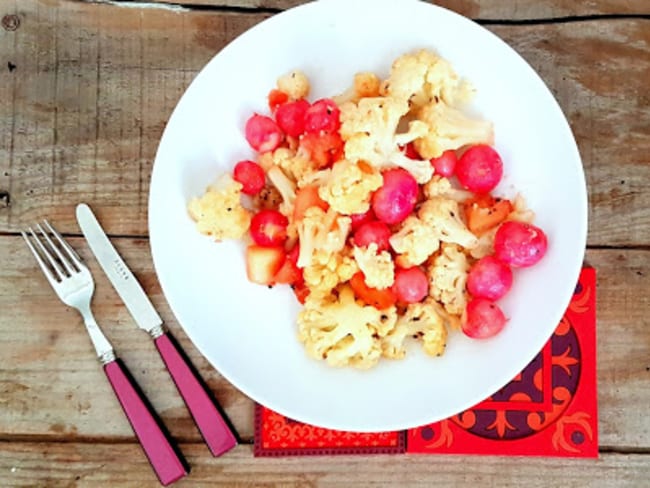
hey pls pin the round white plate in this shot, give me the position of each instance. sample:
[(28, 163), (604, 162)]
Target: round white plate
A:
[(247, 331)]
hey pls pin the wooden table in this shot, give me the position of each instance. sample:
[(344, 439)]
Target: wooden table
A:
[(86, 89)]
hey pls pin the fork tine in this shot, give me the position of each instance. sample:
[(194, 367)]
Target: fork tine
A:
[(68, 248), (46, 270), (47, 254), (65, 261)]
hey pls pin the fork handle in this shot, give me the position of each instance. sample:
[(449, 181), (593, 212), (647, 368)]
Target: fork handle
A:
[(165, 459), (211, 423)]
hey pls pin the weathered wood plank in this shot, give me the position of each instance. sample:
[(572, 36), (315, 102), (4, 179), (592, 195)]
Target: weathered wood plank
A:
[(598, 72), (50, 382), (93, 87), (87, 111), (52, 387), (73, 464), (481, 9)]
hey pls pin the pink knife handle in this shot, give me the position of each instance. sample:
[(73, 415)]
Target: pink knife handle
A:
[(213, 427), (166, 461)]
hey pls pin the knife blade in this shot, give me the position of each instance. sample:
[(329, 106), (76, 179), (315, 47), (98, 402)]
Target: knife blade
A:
[(120, 276), (211, 422)]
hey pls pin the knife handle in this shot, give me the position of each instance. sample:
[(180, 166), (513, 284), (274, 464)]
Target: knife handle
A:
[(165, 459), (211, 423)]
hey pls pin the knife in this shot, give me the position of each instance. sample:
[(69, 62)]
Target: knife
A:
[(204, 410)]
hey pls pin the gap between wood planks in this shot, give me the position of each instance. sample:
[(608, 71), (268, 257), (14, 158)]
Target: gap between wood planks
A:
[(634, 247), (129, 236), (66, 235), (46, 439), (89, 439), (188, 7)]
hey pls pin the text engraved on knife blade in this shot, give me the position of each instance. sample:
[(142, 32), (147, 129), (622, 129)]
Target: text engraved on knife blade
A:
[(121, 269)]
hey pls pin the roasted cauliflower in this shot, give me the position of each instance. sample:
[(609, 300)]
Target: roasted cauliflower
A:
[(349, 186), (369, 129), (377, 267), (484, 244), (286, 187), (448, 277), (219, 212), (327, 270), (439, 186), (521, 212), (414, 242), (420, 321), (295, 84), (443, 215), (321, 231), (294, 167), (422, 77), (365, 85), (449, 128), (343, 332)]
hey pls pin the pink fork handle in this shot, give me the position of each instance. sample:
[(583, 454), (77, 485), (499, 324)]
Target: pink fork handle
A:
[(166, 461), (213, 427)]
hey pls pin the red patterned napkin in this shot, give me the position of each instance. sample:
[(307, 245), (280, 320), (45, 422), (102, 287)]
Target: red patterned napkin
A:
[(549, 409), (276, 435)]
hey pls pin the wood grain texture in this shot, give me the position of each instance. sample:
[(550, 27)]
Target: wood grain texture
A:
[(93, 86), (86, 90), (482, 9), (71, 464), (598, 72), (91, 93), (51, 386)]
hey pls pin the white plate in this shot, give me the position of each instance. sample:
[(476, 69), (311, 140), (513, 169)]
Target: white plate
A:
[(248, 332)]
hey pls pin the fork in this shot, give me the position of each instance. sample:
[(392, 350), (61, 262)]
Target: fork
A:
[(75, 286)]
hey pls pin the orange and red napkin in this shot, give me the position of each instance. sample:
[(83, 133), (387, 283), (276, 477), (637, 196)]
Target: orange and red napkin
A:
[(549, 409)]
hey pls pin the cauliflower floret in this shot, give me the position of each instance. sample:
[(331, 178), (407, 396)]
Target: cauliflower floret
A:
[(415, 241), (451, 321), (321, 231), (219, 212), (365, 85), (420, 321), (439, 186), (342, 331), (521, 212), (286, 187), (449, 128), (423, 76), (377, 267), (348, 188), (327, 270), (443, 215), (294, 167), (485, 244), (333, 232), (374, 114), (448, 277), (266, 159), (370, 131), (295, 84), (308, 228)]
